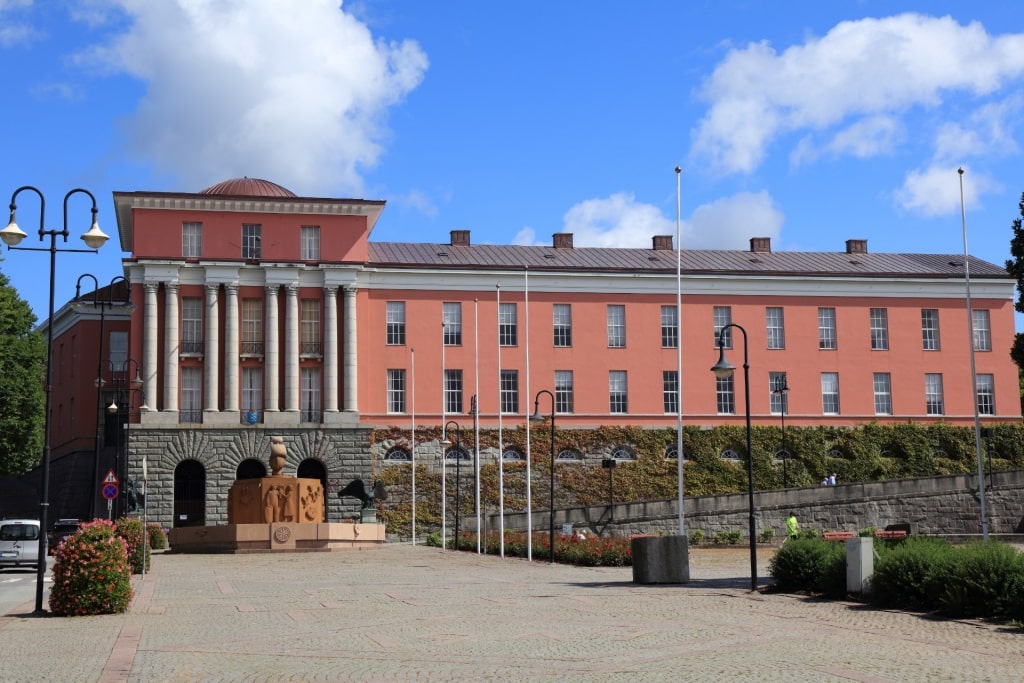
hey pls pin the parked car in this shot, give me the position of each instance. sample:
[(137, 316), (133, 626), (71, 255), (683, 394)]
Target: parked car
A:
[(61, 530), (19, 542)]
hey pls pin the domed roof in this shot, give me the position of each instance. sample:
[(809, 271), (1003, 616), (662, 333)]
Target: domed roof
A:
[(248, 187)]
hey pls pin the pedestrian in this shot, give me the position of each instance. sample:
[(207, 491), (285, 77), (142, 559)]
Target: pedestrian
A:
[(832, 479), (824, 481), (792, 526)]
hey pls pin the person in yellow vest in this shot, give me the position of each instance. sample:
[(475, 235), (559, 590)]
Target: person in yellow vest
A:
[(792, 526)]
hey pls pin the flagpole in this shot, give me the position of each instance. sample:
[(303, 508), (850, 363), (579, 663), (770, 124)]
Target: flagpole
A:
[(679, 355), (412, 435), (476, 417), (444, 456), (526, 415), (501, 445)]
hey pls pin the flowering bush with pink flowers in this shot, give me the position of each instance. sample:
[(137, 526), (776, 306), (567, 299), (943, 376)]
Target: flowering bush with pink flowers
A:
[(131, 530), (91, 573)]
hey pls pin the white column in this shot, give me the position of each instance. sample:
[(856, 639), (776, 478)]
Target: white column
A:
[(172, 347), (351, 357), (211, 361), (331, 349), (291, 349), (272, 355), (150, 335), (231, 349)]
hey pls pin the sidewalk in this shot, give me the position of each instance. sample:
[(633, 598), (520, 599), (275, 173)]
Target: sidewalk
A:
[(404, 613)]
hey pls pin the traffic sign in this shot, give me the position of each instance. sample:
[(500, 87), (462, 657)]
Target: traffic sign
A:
[(111, 478), (110, 491)]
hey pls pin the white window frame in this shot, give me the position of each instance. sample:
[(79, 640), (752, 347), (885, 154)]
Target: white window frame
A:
[(882, 387), (310, 411), (670, 391), (395, 317), (251, 241), (981, 327), (562, 320), (192, 325), (310, 344), (934, 400), (669, 327), (930, 329), (830, 393), (252, 327), (508, 325), (827, 337), (191, 394), (309, 243), (775, 323), (616, 326), (509, 392), (252, 390), (722, 318), (986, 395), (396, 391), (453, 389), (879, 329), (451, 318), (725, 395), (618, 392), (564, 398), (191, 240), (778, 401)]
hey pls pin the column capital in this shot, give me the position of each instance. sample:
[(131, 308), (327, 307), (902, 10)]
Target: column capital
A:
[(171, 286), (350, 290), (231, 288), (292, 288), (151, 287)]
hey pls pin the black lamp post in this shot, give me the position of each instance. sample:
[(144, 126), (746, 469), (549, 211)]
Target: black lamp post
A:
[(81, 304), (609, 464), (782, 392), (129, 388), (12, 235), (458, 459), (537, 417), (723, 369)]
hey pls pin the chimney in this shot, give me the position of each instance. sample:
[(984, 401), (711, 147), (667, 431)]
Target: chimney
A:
[(856, 246), (460, 238), (562, 240), (761, 245), (663, 242)]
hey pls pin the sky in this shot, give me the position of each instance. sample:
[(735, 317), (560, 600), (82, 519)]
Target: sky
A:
[(807, 122)]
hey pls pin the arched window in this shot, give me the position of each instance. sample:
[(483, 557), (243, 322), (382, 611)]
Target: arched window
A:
[(781, 455), (624, 453), (512, 455), (398, 454), (458, 453), (729, 454), (836, 453), (569, 455), (939, 453), (671, 453)]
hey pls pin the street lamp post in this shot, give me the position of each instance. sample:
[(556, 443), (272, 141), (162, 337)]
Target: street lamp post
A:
[(80, 305), (119, 375), (782, 392), (12, 235), (537, 417), (723, 369), (458, 458)]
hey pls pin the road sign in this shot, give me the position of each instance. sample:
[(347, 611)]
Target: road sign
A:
[(111, 478), (110, 491)]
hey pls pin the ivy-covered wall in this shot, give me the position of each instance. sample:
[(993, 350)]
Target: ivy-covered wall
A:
[(868, 453)]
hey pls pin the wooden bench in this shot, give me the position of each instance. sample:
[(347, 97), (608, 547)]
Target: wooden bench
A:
[(839, 535), (882, 533)]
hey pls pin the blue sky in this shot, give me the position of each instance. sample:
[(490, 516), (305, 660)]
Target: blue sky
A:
[(808, 122)]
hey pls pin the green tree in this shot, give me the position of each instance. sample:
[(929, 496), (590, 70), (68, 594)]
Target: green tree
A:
[(22, 399)]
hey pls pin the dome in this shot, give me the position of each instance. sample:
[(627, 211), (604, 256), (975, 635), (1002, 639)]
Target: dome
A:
[(248, 187)]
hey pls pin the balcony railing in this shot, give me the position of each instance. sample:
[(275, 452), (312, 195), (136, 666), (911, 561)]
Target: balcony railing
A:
[(190, 416), (252, 348)]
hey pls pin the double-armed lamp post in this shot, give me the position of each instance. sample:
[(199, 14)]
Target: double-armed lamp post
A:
[(12, 236), (537, 417)]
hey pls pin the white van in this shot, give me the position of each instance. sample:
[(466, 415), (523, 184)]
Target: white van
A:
[(19, 542)]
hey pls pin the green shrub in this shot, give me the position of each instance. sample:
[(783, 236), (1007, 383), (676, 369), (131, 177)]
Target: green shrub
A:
[(766, 535), (433, 539), (130, 529), (157, 536), (727, 537), (697, 537), (976, 579), (905, 574), (91, 573), (867, 531), (812, 565)]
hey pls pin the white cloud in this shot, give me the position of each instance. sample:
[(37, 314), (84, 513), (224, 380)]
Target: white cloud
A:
[(865, 68), (526, 237), (935, 190), (621, 221), (418, 200), (294, 92), (12, 31)]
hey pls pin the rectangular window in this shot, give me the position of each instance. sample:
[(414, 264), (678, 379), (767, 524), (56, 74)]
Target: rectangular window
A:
[(723, 317), (508, 325), (930, 329), (982, 331), (725, 393), (396, 323), (252, 394), (396, 391), (118, 350), (510, 392), (251, 242), (191, 395), (191, 325), (669, 327), (616, 326), (879, 329), (252, 327), (453, 391), (309, 327), (883, 393), (452, 320), (986, 395), (826, 328), (776, 327), (778, 398), (933, 393), (563, 391), (670, 391), (191, 240), (618, 396), (310, 243), (563, 324), (830, 393), (309, 395)]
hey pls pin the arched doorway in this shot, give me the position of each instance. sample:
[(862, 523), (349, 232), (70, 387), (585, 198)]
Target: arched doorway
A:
[(189, 494), (251, 469), (314, 469)]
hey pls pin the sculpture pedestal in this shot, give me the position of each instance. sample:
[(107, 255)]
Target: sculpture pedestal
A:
[(276, 537)]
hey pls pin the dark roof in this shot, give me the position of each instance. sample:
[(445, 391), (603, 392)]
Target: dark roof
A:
[(822, 264), (248, 187)]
